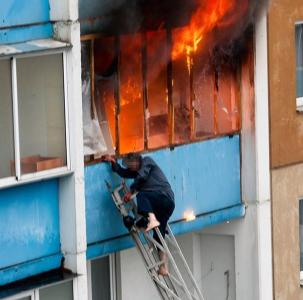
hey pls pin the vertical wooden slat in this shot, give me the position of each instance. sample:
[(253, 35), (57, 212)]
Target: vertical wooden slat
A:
[(92, 76), (144, 87), (171, 125), (117, 93), (192, 98), (216, 90)]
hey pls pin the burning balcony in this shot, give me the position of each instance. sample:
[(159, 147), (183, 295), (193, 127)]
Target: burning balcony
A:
[(167, 79), (163, 77)]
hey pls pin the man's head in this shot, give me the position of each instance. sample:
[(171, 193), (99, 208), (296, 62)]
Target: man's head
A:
[(132, 161)]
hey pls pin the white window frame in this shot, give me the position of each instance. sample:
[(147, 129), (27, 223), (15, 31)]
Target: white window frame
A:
[(33, 294), (46, 174), (299, 100), (112, 274)]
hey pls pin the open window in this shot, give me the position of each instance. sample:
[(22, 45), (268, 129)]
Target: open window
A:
[(32, 117)]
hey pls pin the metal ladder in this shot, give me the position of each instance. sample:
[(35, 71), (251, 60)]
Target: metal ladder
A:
[(173, 286)]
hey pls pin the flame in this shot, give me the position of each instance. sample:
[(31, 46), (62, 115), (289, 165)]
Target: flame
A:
[(209, 14), (130, 92), (189, 215)]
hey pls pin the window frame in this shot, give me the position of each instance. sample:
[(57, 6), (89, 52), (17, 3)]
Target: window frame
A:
[(46, 174), (299, 100), (35, 293), (112, 258)]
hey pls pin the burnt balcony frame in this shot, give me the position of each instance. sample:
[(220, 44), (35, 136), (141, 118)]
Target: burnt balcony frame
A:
[(171, 144)]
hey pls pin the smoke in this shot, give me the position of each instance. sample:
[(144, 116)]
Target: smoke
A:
[(231, 39)]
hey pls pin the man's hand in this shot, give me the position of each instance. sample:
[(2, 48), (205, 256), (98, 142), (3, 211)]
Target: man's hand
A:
[(127, 197), (109, 158)]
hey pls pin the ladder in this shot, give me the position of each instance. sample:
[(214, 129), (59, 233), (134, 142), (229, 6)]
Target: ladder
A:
[(173, 286)]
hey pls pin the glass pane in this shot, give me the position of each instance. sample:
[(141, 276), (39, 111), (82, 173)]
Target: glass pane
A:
[(131, 118), (100, 274), (157, 116), (41, 112), (301, 233), (63, 291), (7, 167), (181, 95), (25, 298), (299, 48), (105, 77), (203, 85)]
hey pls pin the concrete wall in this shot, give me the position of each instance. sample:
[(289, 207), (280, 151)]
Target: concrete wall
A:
[(286, 144), (287, 190), (286, 124)]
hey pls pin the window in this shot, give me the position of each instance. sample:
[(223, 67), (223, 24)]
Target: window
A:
[(101, 278), (63, 291), (144, 96), (29, 295), (299, 65), (32, 116), (58, 291), (301, 238)]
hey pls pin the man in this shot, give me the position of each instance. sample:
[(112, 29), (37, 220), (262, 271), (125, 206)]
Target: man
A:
[(155, 198)]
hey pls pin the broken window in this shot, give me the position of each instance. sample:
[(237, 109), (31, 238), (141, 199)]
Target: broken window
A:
[(131, 117), (157, 117), (203, 102), (147, 97)]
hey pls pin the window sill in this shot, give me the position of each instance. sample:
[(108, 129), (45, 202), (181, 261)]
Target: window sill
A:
[(34, 177)]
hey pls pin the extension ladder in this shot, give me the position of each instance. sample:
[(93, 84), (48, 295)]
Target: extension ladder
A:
[(170, 287)]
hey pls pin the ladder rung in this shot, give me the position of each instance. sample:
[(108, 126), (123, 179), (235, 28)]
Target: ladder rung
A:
[(175, 280), (164, 287), (169, 287), (157, 264)]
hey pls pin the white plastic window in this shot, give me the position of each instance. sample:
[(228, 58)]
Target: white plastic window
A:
[(102, 281), (32, 117), (301, 237), (299, 65), (58, 291)]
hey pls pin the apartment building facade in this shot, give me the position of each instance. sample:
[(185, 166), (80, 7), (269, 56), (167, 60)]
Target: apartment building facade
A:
[(77, 80), (285, 89)]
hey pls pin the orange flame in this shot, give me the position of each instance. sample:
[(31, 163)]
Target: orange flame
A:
[(208, 15)]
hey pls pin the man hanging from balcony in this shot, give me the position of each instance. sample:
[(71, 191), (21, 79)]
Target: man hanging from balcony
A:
[(155, 198)]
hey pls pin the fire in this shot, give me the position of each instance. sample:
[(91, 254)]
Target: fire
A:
[(189, 215), (209, 14)]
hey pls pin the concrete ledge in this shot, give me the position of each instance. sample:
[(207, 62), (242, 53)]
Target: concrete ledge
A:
[(30, 268)]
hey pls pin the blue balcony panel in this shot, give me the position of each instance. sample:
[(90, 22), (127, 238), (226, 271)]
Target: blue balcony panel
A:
[(31, 268), (29, 230), (123, 242), (205, 177), (20, 12), (27, 33)]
